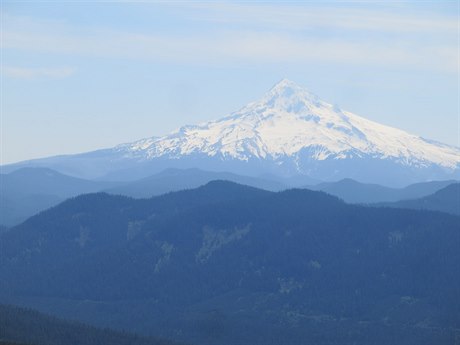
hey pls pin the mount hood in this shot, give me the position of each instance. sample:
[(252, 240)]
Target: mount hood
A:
[(288, 132)]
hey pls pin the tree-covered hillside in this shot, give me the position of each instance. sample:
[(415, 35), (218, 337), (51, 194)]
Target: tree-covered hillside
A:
[(446, 200), (20, 326), (229, 264)]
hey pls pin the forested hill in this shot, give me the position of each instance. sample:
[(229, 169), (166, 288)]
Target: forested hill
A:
[(19, 326), (446, 200), (229, 264)]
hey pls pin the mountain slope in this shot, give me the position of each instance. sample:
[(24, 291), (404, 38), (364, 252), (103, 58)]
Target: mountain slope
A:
[(356, 192), (31, 327), (227, 264), (171, 180), (27, 191), (34, 181), (445, 200), (288, 132)]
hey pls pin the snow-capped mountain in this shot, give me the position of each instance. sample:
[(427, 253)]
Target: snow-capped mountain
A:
[(289, 131), (287, 120)]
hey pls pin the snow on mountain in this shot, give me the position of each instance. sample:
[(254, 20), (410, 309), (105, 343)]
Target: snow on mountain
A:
[(289, 132), (287, 120)]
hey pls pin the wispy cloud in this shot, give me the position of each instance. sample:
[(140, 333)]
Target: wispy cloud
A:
[(408, 41), (228, 47), (378, 17), (38, 73)]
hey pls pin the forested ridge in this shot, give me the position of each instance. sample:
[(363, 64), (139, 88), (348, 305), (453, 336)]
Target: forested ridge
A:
[(19, 326), (228, 264)]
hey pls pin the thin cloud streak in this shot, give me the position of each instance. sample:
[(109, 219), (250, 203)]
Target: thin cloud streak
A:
[(298, 17), (38, 73), (237, 47)]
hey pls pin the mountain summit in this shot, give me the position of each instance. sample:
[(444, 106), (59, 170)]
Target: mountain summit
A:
[(289, 131)]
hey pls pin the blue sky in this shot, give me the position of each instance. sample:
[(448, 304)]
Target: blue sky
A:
[(82, 75)]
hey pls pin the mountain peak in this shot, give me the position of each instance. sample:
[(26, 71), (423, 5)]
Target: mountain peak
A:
[(286, 83), (291, 97), (286, 88)]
